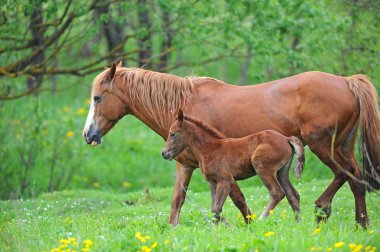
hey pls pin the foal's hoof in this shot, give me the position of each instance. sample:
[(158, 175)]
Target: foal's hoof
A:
[(221, 219), (322, 214), (363, 222)]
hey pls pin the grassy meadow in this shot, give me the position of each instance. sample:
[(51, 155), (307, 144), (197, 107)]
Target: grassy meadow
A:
[(96, 220)]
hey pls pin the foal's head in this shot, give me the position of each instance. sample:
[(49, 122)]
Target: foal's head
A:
[(107, 108), (176, 141)]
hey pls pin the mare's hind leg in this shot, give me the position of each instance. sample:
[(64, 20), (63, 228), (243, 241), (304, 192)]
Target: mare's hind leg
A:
[(358, 189), (239, 200), (275, 190), (291, 193), (323, 203)]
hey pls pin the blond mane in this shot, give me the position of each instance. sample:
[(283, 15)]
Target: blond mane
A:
[(161, 94)]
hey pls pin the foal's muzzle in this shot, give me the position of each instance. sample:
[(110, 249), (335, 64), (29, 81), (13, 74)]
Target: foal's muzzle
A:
[(166, 155)]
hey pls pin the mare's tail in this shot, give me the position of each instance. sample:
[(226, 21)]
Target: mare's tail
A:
[(369, 122), (297, 147)]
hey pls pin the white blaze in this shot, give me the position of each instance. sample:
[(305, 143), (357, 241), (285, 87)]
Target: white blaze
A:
[(90, 118)]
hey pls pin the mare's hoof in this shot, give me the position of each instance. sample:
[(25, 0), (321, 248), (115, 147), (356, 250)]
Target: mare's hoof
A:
[(322, 214)]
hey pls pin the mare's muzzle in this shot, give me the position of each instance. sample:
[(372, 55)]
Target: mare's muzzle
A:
[(93, 137)]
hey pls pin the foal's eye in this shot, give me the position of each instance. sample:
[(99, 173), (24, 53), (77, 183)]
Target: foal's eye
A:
[(97, 99), (172, 134)]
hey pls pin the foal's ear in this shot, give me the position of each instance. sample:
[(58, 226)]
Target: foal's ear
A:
[(120, 64), (112, 72), (180, 116)]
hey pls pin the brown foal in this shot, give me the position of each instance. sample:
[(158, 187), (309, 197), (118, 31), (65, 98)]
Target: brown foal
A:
[(223, 160)]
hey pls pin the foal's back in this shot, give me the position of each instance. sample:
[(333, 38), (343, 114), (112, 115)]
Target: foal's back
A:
[(240, 156)]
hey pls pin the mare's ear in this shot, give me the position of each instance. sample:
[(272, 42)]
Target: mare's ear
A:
[(112, 72), (120, 64), (180, 117)]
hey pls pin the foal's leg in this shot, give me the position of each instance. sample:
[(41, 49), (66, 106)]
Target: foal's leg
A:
[(291, 193), (183, 176), (223, 188), (239, 200), (268, 176)]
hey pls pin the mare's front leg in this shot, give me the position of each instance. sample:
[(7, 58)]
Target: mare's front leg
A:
[(182, 180), (239, 200)]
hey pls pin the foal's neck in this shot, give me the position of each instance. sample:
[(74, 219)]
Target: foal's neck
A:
[(200, 141)]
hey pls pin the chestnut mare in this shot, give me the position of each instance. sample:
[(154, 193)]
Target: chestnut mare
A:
[(222, 160), (316, 107)]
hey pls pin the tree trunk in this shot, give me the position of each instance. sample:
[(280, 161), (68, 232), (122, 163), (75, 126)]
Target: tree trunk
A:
[(145, 41), (245, 67), (166, 42), (37, 40), (113, 32)]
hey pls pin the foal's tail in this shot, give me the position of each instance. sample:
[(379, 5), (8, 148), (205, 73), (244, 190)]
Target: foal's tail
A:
[(300, 155), (369, 122)]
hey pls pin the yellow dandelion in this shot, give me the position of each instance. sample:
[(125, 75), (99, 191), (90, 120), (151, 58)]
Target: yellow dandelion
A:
[(329, 249), (239, 215), (140, 237), (248, 216), (166, 241), (312, 249), (271, 212), (126, 184), (69, 221), (70, 134), (64, 241), (81, 111), (372, 231), (317, 230), (147, 237), (368, 248), (339, 244), (358, 248), (154, 245), (86, 249), (351, 246), (96, 184), (72, 239), (373, 249), (145, 249), (299, 190), (270, 233), (88, 243)]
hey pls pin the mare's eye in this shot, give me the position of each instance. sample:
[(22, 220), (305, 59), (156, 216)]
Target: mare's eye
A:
[(97, 99), (172, 134)]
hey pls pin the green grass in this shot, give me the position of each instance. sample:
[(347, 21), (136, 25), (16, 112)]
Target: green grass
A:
[(111, 224)]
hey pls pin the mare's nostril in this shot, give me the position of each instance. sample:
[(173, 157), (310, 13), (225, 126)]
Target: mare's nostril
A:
[(163, 154)]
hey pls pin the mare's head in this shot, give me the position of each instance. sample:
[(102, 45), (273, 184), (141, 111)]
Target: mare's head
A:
[(106, 109), (177, 139)]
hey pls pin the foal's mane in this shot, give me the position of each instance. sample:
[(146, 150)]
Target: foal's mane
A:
[(210, 130)]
